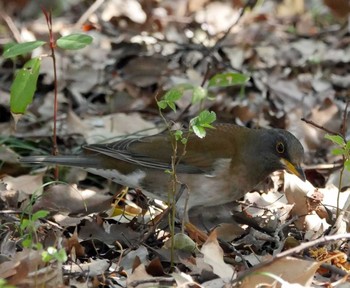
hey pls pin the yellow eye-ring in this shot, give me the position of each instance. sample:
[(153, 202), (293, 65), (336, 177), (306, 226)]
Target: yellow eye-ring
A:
[(280, 147)]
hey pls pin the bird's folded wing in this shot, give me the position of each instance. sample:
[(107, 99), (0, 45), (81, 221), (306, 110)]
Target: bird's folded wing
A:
[(156, 152)]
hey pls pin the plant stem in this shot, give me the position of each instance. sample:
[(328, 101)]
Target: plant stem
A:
[(48, 16)]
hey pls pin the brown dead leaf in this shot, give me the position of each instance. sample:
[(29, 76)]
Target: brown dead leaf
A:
[(109, 234), (70, 199), (19, 189), (131, 9), (128, 260), (74, 243), (155, 268), (140, 71), (290, 269), (27, 270), (289, 8), (214, 256), (114, 125), (93, 267), (139, 274), (340, 8), (215, 25), (229, 231), (27, 184), (326, 115)]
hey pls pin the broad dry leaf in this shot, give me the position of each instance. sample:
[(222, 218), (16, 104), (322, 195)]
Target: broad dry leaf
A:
[(70, 199), (139, 275), (182, 279), (290, 269), (214, 256), (296, 192), (93, 267), (128, 260), (290, 8), (114, 125), (131, 9), (22, 186)]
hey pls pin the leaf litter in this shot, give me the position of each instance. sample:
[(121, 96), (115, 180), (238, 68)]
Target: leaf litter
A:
[(297, 60)]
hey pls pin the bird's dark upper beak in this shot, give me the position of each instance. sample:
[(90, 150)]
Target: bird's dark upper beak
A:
[(294, 169)]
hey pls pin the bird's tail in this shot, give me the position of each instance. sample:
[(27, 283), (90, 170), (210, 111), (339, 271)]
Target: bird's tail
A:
[(65, 160)]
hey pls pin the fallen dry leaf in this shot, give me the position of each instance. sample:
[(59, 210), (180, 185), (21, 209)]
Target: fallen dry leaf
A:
[(214, 256), (69, 199), (290, 269)]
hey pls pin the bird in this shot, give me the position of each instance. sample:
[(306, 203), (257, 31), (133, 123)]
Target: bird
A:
[(220, 168)]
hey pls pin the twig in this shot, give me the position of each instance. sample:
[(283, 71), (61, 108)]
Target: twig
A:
[(164, 214), (295, 250), (205, 78), (83, 18), (8, 20), (228, 31), (312, 243), (48, 17), (321, 127)]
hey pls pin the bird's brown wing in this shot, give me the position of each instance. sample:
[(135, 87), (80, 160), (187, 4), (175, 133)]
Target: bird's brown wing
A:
[(151, 152), (156, 151)]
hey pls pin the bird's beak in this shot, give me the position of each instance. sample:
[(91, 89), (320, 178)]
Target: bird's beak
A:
[(294, 169)]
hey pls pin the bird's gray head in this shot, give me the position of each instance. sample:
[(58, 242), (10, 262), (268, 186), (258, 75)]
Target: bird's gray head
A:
[(282, 150)]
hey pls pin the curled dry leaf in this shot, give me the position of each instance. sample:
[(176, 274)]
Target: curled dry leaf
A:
[(304, 197)]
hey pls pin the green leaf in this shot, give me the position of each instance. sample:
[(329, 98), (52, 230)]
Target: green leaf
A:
[(40, 215), (46, 257), (24, 224), (338, 151), (169, 99), (199, 131), (38, 246), (27, 242), (206, 118), (347, 146), (173, 95), (22, 48), (199, 94), (202, 121), (184, 242), (162, 104), (178, 135), (228, 79), (336, 139), (74, 41), (347, 164), (62, 255), (172, 106), (24, 86)]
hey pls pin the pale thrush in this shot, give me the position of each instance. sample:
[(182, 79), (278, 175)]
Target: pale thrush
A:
[(220, 168)]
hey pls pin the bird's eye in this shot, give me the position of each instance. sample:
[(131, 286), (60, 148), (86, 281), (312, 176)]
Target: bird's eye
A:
[(280, 147)]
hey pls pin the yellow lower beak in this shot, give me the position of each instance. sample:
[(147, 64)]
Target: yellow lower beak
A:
[(294, 169)]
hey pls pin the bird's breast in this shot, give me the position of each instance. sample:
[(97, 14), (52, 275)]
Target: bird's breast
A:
[(219, 186)]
